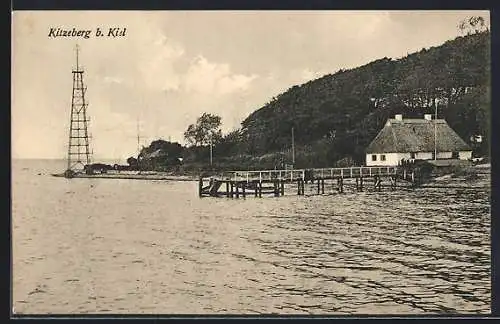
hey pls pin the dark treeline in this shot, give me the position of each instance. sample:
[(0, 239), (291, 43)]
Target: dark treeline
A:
[(335, 117)]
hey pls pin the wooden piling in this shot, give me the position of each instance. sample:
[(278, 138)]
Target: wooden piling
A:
[(227, 189), (260, 189), (298, 187), (232, 189), (377, 183), (282, 187), (276, 188), (393, 182), (361, 183), (237, 190), (256, 188), (323, 186), (318, 184), (200, 187), (243, 191)]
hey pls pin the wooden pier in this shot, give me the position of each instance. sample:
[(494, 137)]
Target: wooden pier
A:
[(236, 184)]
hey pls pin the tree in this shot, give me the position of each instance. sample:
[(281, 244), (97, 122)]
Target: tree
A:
[(132, 162), (205, 131), (230, 143), (474, 24)]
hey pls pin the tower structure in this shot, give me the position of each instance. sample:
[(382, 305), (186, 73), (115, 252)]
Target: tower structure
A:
[(78, 144)]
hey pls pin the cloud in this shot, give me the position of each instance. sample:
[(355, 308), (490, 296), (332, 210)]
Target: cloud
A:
[(207, 78), (156, 62), (110, 79)]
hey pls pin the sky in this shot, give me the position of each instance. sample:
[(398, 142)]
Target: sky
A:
[(172, 66)]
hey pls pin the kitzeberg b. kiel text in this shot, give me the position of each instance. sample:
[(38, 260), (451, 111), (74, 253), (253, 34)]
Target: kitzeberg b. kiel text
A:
[(110, 32)]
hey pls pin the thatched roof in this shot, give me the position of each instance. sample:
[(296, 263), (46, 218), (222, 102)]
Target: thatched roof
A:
[(416, 135)]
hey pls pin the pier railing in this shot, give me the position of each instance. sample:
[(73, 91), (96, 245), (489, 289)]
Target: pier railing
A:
[(236, 183), (304, 174)]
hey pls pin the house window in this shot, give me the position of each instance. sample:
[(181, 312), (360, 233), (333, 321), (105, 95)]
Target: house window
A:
[(374, 157), (454, 155), (412, 155), (382, 157)]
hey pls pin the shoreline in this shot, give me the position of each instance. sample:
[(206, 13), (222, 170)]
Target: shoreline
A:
[(133, 176), (474, 177)]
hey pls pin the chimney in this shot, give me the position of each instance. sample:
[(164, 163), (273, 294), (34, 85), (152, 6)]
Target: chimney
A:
[(398, 117), (428, 117)]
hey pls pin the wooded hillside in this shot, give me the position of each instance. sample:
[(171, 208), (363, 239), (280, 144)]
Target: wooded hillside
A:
[(341, 113)]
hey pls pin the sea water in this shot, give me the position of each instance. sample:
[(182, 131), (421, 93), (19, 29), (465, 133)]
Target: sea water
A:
[(97, 246)]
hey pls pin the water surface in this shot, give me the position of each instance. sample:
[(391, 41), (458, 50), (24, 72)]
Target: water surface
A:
[(129, 246)]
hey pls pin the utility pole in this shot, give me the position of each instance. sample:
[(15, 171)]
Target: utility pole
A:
[(435, 128), (211, 149), (293, 149), (138, 138)]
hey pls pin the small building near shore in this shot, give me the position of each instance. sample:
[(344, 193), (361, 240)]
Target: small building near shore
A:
[(413, 139)]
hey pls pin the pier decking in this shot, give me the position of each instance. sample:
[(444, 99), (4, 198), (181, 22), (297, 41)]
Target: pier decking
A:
[(234, 184)]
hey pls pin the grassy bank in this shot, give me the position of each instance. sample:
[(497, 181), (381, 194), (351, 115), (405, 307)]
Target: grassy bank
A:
[(477, 176)]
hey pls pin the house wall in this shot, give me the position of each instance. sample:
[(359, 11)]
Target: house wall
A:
[(391, 159), (444, 155), (465, 155), (424, 155), (395, 158)]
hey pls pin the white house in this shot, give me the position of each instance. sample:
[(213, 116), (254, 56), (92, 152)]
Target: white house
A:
[(405, 139)]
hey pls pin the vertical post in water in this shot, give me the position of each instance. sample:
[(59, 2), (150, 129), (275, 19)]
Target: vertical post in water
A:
[(282, 187), (243, 185), (318, 181), (323, 186), (260, 189), (200, 187), (227, 189)]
